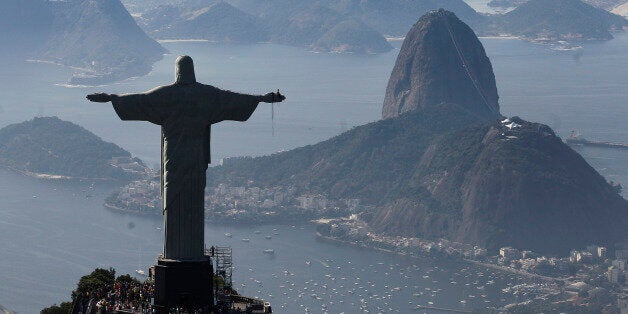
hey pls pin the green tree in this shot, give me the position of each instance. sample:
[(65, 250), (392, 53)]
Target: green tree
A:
[(63, 308), (97, 279)]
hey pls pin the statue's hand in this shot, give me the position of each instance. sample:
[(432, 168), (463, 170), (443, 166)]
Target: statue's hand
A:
[(100, 97), (274, 97)]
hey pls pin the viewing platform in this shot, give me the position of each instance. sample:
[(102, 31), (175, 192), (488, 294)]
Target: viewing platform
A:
[(133, 296)]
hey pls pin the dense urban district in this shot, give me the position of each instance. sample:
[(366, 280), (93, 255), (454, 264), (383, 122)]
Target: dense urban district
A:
[(240, 204)]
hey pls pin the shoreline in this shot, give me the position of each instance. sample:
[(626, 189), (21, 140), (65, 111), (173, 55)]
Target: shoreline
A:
[(155, 213), (58, 177), (128, 211), (501, 37), (466, 260), (44, 176), (354, 244), (183, 41), (514, 271)]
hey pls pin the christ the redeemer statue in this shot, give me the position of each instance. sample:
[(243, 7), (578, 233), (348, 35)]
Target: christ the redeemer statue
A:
[(185, 111)]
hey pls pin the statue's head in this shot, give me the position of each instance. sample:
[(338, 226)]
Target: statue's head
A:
[(184, 71)]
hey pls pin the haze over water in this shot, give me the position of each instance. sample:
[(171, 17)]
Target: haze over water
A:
[(53, 233)]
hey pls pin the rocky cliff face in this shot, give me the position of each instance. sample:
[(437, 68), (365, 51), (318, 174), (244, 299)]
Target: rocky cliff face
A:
[(441, 60)]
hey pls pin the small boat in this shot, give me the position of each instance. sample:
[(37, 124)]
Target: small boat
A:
[(308, 263), (246, 240), (139, 269), (268, 237), (228, 235), (269, 251)]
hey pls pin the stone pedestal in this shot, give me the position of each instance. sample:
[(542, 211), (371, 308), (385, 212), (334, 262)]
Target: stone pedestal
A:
[(184, 284)]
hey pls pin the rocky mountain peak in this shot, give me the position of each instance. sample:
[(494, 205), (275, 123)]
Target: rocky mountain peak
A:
[(442, 61)]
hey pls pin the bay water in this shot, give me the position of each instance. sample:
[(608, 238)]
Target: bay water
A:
[(51, 233)]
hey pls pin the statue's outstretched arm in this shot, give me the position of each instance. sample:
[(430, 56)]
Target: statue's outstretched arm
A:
[(228, 105), (101, 97), (147, 106), (274, 97), (233, 99)]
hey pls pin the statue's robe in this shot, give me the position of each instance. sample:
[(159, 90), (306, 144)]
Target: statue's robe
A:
[(185, 114)]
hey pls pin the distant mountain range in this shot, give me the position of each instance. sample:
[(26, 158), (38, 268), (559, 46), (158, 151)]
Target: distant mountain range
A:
[(450, 168), (51, 148), (558, 20), (602, 4), (320, 25), (220, 22), (361, 25), (303, 23), (100, 39), (97, 37), (396, 17)]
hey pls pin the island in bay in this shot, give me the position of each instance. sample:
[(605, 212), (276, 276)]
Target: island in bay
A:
[(50, 148)]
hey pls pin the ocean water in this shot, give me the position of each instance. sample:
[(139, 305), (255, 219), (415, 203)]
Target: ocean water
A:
[(53, 233)]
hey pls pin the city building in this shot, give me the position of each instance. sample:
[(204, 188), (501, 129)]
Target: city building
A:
[(509, 253), (614, 274), (620, 264)]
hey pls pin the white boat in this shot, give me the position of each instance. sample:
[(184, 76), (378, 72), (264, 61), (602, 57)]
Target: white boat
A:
[(269, 251), (139, 269), (565, 46), (246, 240), (228, 235)]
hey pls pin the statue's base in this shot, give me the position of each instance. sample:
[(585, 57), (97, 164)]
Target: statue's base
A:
[(184, 284)]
